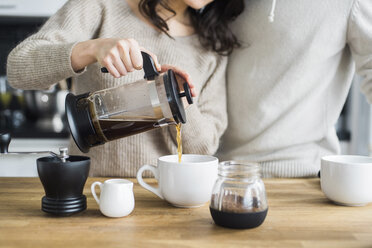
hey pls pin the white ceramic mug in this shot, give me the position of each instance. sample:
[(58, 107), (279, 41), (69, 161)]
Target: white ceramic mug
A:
[(186, 184), (116, 199), (346, 179)]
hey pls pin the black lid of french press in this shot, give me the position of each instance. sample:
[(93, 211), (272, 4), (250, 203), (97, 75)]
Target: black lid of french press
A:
[(80, 123), (175, 97)]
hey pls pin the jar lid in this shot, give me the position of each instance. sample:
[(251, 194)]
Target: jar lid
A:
[(238, 169)]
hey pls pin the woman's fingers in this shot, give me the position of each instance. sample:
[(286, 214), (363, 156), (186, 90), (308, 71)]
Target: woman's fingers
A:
[(119, 66), (181, 74), (107, 62), (193, 92), (124, 50), (135, 54)]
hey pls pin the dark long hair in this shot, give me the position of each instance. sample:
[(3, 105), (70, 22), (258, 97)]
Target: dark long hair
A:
[(211, 24)]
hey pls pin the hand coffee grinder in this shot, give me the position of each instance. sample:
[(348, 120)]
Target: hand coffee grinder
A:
[(63, 177), (109, 114)]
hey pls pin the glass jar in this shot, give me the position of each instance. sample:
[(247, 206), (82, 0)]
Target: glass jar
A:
[(238, 196)]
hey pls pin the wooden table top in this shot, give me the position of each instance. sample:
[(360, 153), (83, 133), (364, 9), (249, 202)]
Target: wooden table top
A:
[(299, 216)]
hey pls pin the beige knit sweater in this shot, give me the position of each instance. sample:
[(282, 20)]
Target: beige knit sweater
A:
[(288, 83), (44, 59)]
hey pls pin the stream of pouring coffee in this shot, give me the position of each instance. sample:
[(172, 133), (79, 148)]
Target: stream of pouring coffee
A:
[(179, 142)]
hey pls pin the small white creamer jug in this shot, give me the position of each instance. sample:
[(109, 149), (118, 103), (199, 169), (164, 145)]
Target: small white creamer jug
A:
[(116, 198)]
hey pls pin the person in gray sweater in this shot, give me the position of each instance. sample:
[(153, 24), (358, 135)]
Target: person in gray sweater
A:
[(288, 82), (85, 35)]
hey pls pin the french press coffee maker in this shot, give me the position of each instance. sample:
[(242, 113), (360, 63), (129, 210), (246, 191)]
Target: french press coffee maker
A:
[(109, 114)]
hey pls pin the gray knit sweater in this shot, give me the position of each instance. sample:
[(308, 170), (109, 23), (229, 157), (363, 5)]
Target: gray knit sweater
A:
[(44, 59)]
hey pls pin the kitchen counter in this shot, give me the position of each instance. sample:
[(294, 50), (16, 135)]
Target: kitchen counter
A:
[(25, 166), (299, 216)]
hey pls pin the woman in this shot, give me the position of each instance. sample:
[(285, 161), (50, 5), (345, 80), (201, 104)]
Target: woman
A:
[(85, 35)]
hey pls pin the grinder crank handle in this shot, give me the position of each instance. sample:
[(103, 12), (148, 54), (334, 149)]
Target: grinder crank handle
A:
[(4, 142), (148, 67)]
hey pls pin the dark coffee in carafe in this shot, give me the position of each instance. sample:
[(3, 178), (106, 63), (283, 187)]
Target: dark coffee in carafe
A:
[(115, 129)]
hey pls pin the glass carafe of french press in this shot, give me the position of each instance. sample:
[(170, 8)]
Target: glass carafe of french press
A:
[(109, 114)]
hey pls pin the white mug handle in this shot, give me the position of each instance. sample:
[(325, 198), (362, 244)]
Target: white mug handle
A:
[(92, 188), (154, 170)]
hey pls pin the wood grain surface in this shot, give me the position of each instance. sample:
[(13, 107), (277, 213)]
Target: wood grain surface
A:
[(299, 216)]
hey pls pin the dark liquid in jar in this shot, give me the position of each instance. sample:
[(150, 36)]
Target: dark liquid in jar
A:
[(114, 129), (238, 220)]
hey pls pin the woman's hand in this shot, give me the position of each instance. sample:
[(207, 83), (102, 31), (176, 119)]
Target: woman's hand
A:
[(181, 77), (119, 56)]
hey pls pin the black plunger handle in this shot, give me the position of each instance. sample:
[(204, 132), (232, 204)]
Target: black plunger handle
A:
[(148, 67), (4, 142), (187, 93), (104, 70)]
